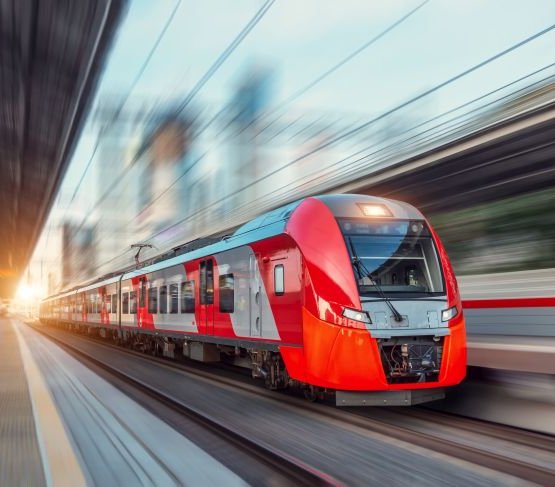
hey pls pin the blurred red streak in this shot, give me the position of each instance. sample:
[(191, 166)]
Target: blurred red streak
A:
[(509, 303)]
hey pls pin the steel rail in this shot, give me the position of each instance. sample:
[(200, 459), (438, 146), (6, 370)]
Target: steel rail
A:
[(286, 465), (479, 456)]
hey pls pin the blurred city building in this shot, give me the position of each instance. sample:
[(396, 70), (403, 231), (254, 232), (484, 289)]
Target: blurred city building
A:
[(165, 176), (78, 253)]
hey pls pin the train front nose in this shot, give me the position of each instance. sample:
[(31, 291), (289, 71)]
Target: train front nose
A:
[(385, 356), (421, 347), (411, 341)]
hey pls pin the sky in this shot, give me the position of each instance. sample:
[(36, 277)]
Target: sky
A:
[(297, 41)]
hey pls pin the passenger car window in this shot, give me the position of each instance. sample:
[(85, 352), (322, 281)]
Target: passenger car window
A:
[(188, 297), (142, 294), (206, 282), (133, 302), (163, 299), (279, 280), (125, 303), (174, 298), (153, 300), (227, 293)]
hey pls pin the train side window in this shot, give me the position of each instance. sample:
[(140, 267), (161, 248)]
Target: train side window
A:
[(133, 302), (153, 300), (108, 303), (207, 282), (279, 280), (163, 299), (114, 303), (125, 303), (202, 272), (142, 294), (188, 297), (227, 293), (174, 298)]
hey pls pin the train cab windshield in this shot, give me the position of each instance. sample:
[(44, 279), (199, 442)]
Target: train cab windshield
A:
[(396, 258)]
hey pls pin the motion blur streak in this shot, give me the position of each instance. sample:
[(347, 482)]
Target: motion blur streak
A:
[(184, 143)]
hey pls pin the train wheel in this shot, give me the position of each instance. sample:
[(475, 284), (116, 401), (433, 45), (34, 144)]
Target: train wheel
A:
[(312, 394)]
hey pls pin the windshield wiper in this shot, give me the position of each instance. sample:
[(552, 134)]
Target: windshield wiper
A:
[(364, 272)]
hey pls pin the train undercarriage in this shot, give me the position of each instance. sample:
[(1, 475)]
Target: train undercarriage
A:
[(405, 360), (263, 364)]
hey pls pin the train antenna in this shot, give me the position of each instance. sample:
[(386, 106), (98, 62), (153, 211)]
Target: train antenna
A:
[(140, 247)]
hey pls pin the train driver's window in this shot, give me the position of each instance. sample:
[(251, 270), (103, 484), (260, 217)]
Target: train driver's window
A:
[(133, 302), (227, 293), (153, 300), (125, 303), (279, 280)]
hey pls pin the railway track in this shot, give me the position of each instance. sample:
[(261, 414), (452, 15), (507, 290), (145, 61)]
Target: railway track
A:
[(386, 426), (288, 467)]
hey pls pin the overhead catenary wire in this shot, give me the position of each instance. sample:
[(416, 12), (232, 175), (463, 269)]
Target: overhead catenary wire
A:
[(132, 87), (279, 199), (202, 81), (226, 53), (436, 117), (245, 31), (395, 148), (329, 71), (357, 129), (297, 191), (352, 55), (360, 127)]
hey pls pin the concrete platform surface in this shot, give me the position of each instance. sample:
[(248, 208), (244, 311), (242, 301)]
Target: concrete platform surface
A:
[(20, 457), (62, 424)]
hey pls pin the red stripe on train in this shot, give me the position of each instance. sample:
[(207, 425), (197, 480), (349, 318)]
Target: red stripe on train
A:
[(509, 303)]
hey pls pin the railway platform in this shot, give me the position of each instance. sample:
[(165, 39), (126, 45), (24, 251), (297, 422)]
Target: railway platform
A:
[(57, 426), (77, 410), (20, 455)]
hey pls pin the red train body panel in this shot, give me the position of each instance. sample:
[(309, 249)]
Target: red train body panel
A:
[(339, 292)]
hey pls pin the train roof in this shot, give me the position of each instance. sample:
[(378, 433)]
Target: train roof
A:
[(267, 225), (264, 226), (349, 206)]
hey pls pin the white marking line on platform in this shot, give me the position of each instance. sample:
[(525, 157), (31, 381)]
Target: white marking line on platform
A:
[(512, 347), (61, 466)]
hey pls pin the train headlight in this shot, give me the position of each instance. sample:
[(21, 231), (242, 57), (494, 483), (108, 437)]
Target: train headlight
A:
[(375, 210), (356, 315), (449, 314)]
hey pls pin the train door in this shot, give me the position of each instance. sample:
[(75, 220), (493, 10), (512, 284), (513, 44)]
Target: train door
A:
[(255, 301), (206, 301)]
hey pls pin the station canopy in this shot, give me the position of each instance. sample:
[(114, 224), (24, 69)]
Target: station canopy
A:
[(51, 55)]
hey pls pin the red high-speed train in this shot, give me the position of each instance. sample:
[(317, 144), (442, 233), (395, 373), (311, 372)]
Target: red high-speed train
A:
[(337, 293)]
